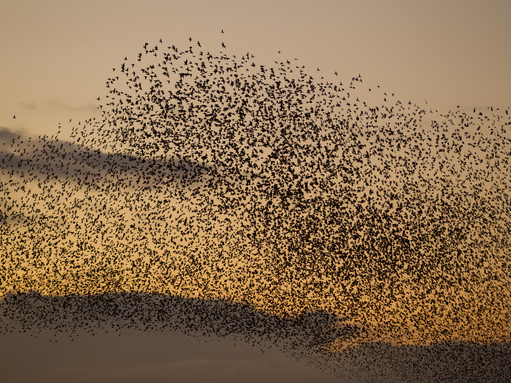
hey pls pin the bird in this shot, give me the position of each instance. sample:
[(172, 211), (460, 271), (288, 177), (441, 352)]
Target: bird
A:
[(227, 197)]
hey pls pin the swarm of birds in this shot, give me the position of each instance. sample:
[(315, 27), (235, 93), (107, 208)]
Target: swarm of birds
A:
[(213, 183)]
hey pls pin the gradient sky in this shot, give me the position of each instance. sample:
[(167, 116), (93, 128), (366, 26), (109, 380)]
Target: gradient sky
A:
[(57, 55)]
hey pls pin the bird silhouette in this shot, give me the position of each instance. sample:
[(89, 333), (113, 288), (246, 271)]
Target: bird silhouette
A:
[(220, 196)]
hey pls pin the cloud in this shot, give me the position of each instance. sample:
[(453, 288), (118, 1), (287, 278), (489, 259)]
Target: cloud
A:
[(62, 106), (92, 163), (8, 134), (149, 358), (28, 106), (212, 325), (189, 371)]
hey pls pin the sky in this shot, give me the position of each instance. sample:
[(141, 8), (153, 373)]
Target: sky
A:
[(57, 56)]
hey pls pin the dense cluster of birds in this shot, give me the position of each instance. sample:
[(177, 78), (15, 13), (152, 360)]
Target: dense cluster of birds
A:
[(217, 182)]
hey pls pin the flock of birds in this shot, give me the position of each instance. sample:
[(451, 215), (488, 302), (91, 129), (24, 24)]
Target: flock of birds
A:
[(319, 218)]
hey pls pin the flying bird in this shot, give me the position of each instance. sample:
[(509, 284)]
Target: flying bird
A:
[(221, 196)]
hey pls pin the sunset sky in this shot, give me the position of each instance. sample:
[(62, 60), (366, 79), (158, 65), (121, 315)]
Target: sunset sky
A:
[(57, 55), (55, 59)]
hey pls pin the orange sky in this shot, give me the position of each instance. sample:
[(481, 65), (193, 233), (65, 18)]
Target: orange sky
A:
[(55, 57)]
